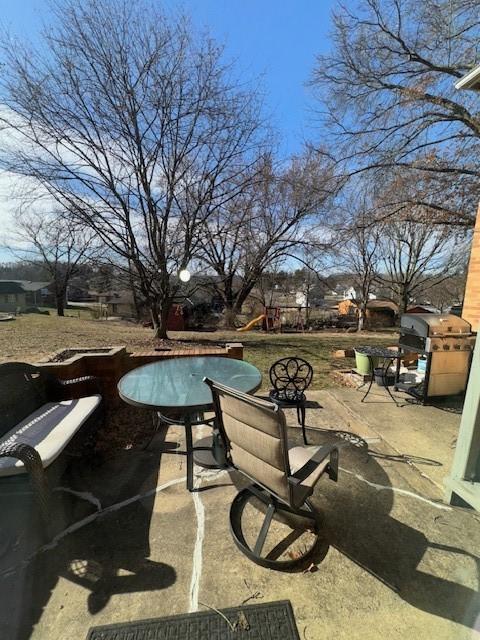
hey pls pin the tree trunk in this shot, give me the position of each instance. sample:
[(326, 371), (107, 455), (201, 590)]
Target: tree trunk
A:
[(133, 289), (230, 315), (403, 306), (362, 312), (362, 316), (160, 319), (230, 311), (60, 302)]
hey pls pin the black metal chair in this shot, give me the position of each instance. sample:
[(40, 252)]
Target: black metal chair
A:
[(290, 378), (256, 445)]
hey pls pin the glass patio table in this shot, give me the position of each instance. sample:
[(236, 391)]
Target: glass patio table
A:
[(176, 386)]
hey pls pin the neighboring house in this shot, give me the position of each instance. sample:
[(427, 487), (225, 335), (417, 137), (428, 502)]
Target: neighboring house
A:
[(349, 294), (78, 293), (20, 294), (12, 296), (120, 305), (380, 313), (341, 293), (423, 308), (38, 293)]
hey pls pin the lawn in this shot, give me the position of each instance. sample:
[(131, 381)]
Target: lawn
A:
[(31, 337)]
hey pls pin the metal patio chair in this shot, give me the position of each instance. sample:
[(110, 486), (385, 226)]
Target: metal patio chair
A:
[(255, 437), (290, 378)]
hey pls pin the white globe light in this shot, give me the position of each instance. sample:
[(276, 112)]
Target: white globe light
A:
[(184, 275)]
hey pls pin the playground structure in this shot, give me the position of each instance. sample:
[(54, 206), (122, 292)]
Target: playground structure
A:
[(272, 319)]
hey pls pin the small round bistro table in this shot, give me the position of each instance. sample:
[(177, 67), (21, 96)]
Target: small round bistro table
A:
[(175, 386), (389, 357)]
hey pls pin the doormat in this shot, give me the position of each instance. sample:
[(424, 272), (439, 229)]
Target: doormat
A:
[(266, 621)]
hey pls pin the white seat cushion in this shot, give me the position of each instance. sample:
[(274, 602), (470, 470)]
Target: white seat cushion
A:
[(48, 430)]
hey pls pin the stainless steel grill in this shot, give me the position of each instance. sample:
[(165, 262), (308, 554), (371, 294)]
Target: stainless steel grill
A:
[(447, 341)]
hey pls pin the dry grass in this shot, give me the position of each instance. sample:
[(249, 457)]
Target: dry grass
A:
[(31, 337)]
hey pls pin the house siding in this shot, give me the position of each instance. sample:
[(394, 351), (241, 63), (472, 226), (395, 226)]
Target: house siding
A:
[(471, 302), (12, 301)]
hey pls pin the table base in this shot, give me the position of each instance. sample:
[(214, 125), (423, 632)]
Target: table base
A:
[(388, 362), (203, 454)]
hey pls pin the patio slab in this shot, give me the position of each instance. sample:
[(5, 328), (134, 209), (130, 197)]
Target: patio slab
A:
[(394, 561), (427, 434)]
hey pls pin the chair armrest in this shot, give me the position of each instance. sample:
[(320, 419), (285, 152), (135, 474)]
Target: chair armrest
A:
[(79, 387), (329, 450), (34, 467)]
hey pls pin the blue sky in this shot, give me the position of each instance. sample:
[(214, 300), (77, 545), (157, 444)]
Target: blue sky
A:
[(274, 39), (277, 39)]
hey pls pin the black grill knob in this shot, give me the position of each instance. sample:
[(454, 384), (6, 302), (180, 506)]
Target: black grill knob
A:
[(446, 347), (435, 347), (457, 347)]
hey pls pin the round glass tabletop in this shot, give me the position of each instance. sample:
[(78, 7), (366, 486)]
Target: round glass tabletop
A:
[(178, 383)]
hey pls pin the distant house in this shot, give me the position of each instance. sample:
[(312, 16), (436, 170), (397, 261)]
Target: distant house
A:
[(120, 305), (12, 296), (20, 294), (423, 308), (380, 313)]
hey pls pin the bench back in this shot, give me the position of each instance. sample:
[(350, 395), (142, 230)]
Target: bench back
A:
[(23, 389)]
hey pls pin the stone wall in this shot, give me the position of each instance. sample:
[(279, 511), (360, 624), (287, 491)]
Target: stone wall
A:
[(471, 303)]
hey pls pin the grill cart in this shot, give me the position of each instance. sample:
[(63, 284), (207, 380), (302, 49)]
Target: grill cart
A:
[(447, 343)]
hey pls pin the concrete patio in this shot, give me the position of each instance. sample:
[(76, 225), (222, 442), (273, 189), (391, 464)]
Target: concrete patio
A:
[(395, 560)]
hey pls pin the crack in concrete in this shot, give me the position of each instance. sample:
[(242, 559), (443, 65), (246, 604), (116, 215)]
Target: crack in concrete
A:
[(87, 520), (198, 547), (404, 492), (83, 495), (197, 563)]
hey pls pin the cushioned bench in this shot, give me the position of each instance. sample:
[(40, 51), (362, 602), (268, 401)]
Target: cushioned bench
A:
[(42, 418)]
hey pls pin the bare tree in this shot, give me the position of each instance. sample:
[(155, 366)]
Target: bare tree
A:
[(449, 292), (360, 257), (415, 257), (260, 227), (61, 245), (134, 122), (389, 101)]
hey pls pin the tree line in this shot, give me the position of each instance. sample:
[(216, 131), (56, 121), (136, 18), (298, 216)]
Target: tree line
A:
[(139, 147)]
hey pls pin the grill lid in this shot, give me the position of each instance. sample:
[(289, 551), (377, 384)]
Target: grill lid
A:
[(434, 324)]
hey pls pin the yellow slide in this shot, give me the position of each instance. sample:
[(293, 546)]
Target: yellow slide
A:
[(252, 323)]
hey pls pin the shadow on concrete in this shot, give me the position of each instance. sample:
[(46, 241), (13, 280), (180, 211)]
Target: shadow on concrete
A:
[(109, 554), (359, 524), (450, 404), (357, 441), (356, 513)]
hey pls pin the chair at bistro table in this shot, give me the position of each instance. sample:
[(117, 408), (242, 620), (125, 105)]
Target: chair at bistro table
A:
[(290, 378), (256, 444)]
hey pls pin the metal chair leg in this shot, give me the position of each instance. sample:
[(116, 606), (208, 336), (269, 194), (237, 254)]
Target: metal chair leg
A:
[(264, 530), (302, 413)]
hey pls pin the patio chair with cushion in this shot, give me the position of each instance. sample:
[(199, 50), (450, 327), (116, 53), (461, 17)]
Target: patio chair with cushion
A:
[(256, 444), (290, 378)]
